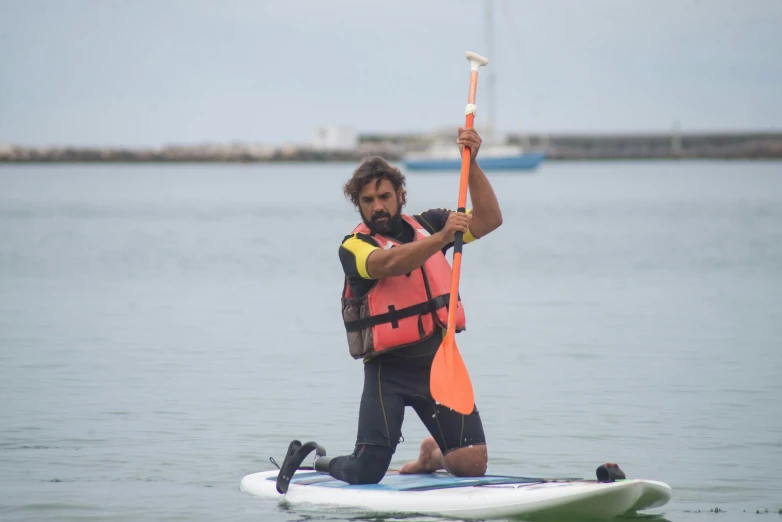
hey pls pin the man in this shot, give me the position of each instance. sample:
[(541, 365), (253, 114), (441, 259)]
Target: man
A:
[(397, 285)]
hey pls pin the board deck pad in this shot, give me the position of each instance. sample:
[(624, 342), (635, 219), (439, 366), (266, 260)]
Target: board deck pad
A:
[(394, 481)]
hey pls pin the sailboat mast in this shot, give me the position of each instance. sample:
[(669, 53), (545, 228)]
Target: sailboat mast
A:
[(490, 84)]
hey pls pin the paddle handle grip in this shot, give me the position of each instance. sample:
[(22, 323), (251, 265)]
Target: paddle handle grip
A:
[(458, 240)]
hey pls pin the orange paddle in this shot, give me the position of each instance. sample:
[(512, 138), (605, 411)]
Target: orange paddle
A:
[(449, 382)]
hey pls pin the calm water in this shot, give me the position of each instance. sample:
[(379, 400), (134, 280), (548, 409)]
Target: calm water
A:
[(164, 330)]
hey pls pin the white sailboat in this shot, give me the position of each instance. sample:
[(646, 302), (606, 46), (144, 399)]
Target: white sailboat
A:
[(494, 155)]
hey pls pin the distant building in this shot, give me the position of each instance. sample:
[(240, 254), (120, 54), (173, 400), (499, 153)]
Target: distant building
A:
[(334, 137)]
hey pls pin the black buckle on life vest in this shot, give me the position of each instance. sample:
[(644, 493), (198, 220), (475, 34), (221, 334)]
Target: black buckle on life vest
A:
[(393, 315), (439, 302)]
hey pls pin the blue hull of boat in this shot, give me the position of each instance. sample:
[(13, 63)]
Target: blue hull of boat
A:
[(527, 161)]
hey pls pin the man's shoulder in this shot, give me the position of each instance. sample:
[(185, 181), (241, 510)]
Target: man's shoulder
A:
[(433, 219), (354, 253), (353, 237)]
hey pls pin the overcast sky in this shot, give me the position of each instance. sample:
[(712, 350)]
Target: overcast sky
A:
[(152, 72)]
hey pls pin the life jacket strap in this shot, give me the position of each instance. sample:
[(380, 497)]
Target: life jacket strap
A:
[(393, 315)]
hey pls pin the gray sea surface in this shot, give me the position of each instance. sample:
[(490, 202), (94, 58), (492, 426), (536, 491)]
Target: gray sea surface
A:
[(165, 329)]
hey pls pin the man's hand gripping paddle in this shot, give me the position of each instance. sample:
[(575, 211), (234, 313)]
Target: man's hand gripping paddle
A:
[(450, 383)]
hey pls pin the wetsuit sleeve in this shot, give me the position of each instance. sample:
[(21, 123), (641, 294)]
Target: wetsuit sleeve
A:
[(434, 220), (353, 253)]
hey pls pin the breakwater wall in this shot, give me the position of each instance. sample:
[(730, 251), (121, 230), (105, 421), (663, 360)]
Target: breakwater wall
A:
[(564, 147)]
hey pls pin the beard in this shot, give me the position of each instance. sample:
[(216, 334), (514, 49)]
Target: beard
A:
[(391, 225)]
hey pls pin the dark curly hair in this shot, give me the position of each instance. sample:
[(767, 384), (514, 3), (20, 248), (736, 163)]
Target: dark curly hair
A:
[(375, 168)]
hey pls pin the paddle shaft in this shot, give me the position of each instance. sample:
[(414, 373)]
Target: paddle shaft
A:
[(450, 383), (462, 203)]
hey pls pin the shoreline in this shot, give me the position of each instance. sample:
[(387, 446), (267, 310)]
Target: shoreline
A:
[(294, 161)]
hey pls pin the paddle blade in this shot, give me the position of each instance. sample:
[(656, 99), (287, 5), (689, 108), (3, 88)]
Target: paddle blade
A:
[(450, 383)]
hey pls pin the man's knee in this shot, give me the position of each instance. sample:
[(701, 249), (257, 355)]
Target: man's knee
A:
[(367, 465), (467, 462)]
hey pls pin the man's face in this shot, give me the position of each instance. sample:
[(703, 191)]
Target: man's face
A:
[(379, 204)]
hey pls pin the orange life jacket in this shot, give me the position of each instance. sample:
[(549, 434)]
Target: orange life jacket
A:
[(401, 310)]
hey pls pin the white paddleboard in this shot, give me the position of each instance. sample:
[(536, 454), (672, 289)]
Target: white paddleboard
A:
[(442, 494)]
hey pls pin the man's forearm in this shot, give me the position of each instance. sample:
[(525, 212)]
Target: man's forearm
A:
[(403, 259), (485, 207)]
